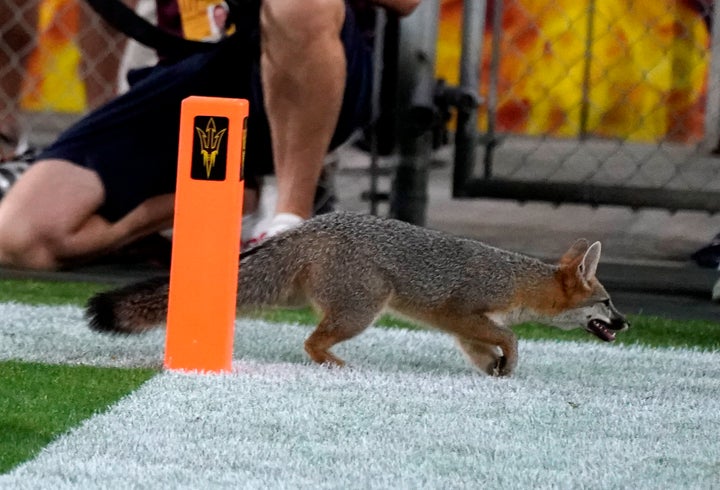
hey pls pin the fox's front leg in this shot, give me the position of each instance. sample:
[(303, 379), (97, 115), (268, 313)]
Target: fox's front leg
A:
[(509, 345), (480, 338), (494, 359), (485, 357), (507, 364)]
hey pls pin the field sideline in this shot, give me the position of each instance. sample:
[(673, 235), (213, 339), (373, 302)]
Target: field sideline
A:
[(408, 413)]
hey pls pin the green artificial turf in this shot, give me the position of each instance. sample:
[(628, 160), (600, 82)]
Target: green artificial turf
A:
[(47, 292), (38, 402), (645, 330)]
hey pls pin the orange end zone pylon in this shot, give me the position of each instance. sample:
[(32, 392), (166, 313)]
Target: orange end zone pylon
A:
[(206, 235)]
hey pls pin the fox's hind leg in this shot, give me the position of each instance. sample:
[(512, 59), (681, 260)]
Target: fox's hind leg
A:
[(334, 328), (347, 309)]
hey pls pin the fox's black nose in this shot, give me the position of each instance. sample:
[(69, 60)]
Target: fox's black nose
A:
[(619, 323)]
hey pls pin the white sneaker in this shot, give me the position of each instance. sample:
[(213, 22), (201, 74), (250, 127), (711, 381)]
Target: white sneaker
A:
[(282, 222), (254, 224), (279, 223)]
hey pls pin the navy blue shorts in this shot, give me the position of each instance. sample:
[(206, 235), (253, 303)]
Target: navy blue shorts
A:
[(132, 141)]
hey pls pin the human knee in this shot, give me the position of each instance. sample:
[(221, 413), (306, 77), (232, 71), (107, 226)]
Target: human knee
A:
[(21, 246), (301, 22)]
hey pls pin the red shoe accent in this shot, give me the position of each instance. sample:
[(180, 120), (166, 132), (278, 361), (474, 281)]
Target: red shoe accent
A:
[(253, 242)]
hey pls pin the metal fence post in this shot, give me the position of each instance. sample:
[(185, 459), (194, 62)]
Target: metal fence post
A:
[(466, 135), (416, 87), (712, 104)]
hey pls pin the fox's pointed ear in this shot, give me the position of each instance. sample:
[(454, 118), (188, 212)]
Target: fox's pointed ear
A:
[(589, 263), (575, 252)]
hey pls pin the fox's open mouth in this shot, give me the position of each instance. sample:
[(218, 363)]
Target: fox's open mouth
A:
[(601, 330)]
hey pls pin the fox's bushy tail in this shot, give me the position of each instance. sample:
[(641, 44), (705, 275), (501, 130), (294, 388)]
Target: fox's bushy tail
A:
[(267, 278), (130, 309)]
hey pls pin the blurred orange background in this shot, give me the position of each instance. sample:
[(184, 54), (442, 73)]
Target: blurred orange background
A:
[(647, 66)]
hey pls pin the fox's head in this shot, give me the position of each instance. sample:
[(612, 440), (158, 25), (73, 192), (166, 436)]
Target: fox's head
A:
[(587, 304)]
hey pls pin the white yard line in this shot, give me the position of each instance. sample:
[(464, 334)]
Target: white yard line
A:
[(410, 413)]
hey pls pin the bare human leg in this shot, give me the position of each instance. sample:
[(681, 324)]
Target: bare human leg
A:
[(304, 72), (49, 218)]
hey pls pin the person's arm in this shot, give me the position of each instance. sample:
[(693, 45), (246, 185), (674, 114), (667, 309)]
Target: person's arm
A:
[(400, 7)]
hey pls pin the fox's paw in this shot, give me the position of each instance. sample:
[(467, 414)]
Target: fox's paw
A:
[(484, 357), (323, 357), (335, 363), (503, 367)]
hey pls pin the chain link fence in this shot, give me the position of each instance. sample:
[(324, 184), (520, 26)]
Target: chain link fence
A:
[(58, 59), (601, 102)]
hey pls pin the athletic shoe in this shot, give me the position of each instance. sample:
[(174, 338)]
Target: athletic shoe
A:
[(9, 174), (11, 169), (279, 223)]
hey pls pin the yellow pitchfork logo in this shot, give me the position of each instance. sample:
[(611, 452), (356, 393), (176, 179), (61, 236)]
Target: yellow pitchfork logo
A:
[(210, 144)]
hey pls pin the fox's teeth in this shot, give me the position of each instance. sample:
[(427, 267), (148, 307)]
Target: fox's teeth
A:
[(608, 332), (601, 330)]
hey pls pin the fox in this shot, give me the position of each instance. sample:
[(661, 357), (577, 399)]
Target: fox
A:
[(352, 267)]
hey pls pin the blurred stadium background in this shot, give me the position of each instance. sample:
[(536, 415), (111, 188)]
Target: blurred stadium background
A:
[(588, 92)]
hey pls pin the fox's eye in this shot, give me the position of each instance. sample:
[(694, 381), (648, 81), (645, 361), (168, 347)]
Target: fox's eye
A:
[(606, 302)]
